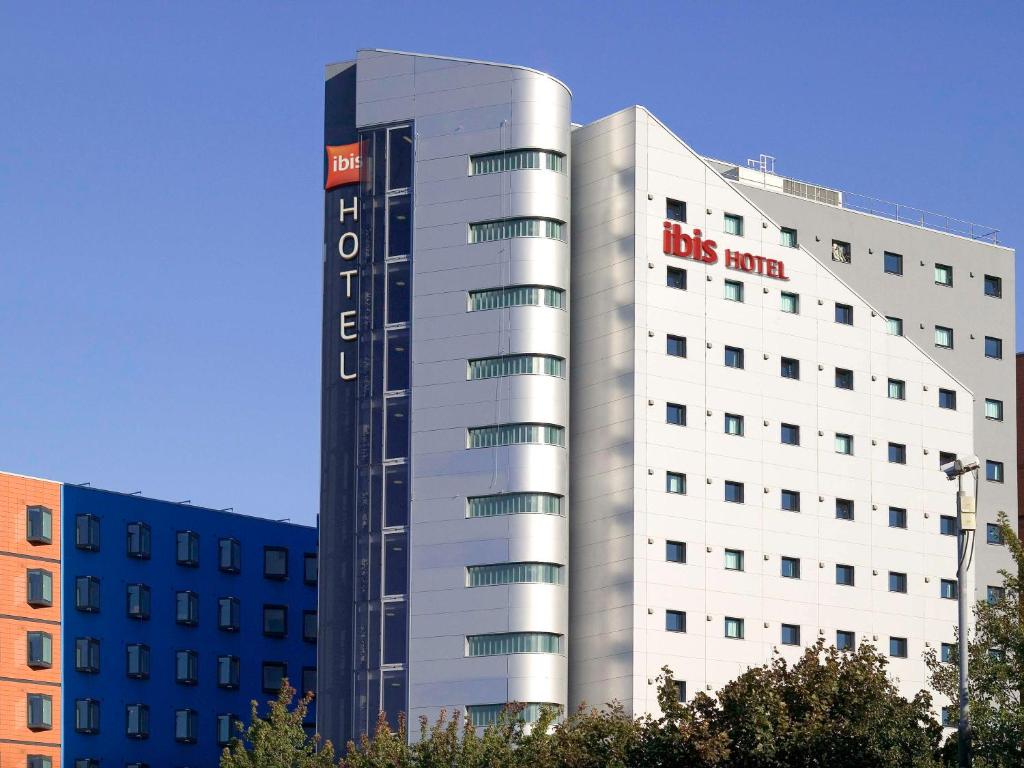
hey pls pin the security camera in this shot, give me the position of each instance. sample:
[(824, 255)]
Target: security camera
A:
[(962, 466)]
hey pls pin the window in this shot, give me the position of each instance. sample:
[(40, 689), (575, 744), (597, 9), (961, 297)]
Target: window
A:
[(844, 378), (789, 567), (947, 399), (787, 237), (898, 647), (994, 534), (87, 655), (790, 302), (308, 680), (186, 608), (38, 761), (40, 712), (943, 274), (275, 620), (897, 389), (516, 434), (947, 525), (993, 409), (39, 587), (87, 762), (139, 601), (399, 295), (993, 347), (229, 556), (275, 563), (505, 229), (482, 715), (137, 661), (186, 726), (186, 667), (845, 640), (675, 210), (396, 510), (734, 559), (893, 263), (950, 717), (897, 453), (229, 614), (947, 589), (137, 716), (791, 501), (310, 565), (897, 582), (733, 224), (844, 314), (396, 619), (733, 628), (516, 365), (994, 286), (945, 457), (946, 654), (675, 414), (844, 509), (943, 337), (844, 444), (38, 525), (734, 491), (309, 626), (790, 634), (226, 729), (675, 346), (139, 541), (87, 594), (505, 573), (187, 549), (675, 621), (675, 551), (227, 672), (675, 482), (514, 504), (994, 471), (516, 296), (845, 575), (504, 643), (399, 157), (675, 278), (87, 716), (396, 564), (790, 434), (40, 650), (680, 690), (733, 357), (790, 368), (734, 290), (733, 424), (994, 595), (894, 326), (897, 517), (841, 252), (517, 160), (87, 533)]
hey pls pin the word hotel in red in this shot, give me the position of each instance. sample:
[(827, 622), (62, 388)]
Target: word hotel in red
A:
[(676, 243)]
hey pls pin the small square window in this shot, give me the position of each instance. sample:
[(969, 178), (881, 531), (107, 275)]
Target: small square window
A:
[(733, 357), (675, 210), (734, 491), (790, 634), (274, 673), (947, 525), (897, 582), (675, 414), (897, 453), (733, 224), (275, 563), (994, 286), (39, 588), (893, 263), (275, 620), (789, 567), (947, 589), (897, 389), (945, 457), (309, 626), (844, 444), (787, 237), (38, 525), (87, 655), (947, 653), (994, 534), (898, 647), (844, 378), (675, 278), (943, 337), (675, 621), (993, 409), (842, 252), (675, 482), (947, 399), (87, 716), (87, 594), (229, 556), (993, 347), (845, 640), (791, 501), (734, 628), (310, 566), (894, 326), (994, 595), (790, 368), (943, 274), (675, 551), (733, 424), (845, 575), (897, 517), (734, 290), (38, 761), (139, 541), (87, 533), (790, 434), (40, 650), (844, 509), (790, 302), (844, 314), (187, 550), (994, 471), (675, 346), (40, 712), (734, 559)]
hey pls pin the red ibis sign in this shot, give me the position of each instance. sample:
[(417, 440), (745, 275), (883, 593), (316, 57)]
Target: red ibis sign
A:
[(675, 242)]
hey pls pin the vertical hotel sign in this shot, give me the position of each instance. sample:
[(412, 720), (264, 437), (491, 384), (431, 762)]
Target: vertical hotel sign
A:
[(343, 169)]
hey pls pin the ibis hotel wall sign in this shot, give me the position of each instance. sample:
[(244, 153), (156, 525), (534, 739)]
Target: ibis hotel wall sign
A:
[(675, 242), (343, 166)]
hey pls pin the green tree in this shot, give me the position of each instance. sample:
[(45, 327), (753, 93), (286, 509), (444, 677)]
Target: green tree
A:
[(995, 670), (278, 740)]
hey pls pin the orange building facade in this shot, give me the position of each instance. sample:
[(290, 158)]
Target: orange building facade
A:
[(30, 612)]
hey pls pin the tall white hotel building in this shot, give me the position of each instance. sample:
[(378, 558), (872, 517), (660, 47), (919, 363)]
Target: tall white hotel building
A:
[(594, 404)]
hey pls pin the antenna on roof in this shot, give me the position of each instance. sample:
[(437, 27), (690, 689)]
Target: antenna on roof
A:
[(765, 165)]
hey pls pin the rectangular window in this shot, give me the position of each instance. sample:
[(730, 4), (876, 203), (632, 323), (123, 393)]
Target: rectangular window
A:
[(274, 673), (187, 552), (186, 667), (734, 559), (506, 229), (396, 358), (675, 278), (87, 655), (87, 716), (945, 457), (309, 626), (400, 157), (844, 378), (675, 414), (275, 563), (893, 263), (675, 346), (139, 541), (994, 534), (396, 564), (789, 567), (734, 628), (87, 533), (40, 712), (39, 588), (514, 296), (675, 210), (680, 690), (994, 471), (227, 672), (733, 290), (993, 347), (515, 365), (898, 647), (949, 717), (399, 228), (943, 274), (897, 582), (675, 621), (139, 601), (275, 620), (516, 434), (787, 237), (517, 160), (790, 634), (137, 661), (897, 453), (947, 525), (733, 357), (398, 299), (994, 286), (943, 337), (790, 434), (845, 640), (227, 728), (897, 517), (844, 314), (844, 444), (845, 575), (734, 491), (897, 389), (309, 680), (229, 614), (733, 424), (87, 594), (137, 716), (790, 368), (842, 252), (675, 482), (38, 525), (947, 589), (994, 595), (509, 573), (504, 643), (947, 653), (791, 501), (40, 650), (396, 507), (186, 726), (733, 224), (790, 302), (229, 556), (514, 504), (675, 551), (844, 509), (947, 399), (993, 409), (396, 619), (186, 608), (41, 761), (309, 568)]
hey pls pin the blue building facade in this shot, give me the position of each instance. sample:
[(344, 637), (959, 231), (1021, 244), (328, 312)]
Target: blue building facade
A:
[(175, 618)]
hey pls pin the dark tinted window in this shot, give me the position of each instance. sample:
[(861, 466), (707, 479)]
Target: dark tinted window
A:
[(675, 210), (400, 158)]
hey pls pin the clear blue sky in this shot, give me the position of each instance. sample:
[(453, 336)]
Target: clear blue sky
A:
[(160, 201)]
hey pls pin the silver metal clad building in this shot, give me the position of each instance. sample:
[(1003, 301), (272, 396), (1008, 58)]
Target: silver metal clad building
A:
[(738, 452)]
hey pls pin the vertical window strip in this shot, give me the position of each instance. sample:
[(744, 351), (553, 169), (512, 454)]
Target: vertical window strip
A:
[(489, 231), (514, 573), (516, 365), (504, 643), (516, 296), (516, 434), (515, 504), (517, 160)]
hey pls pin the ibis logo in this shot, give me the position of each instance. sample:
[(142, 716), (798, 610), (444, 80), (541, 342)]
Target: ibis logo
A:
[(343, 164)]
